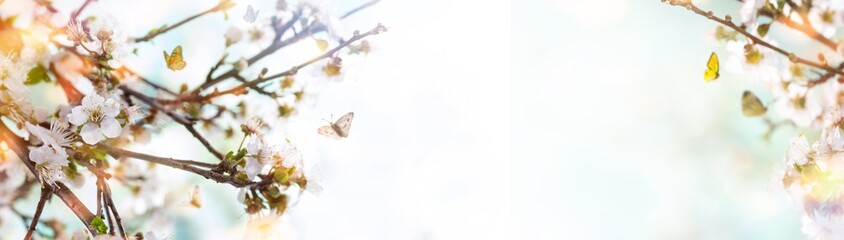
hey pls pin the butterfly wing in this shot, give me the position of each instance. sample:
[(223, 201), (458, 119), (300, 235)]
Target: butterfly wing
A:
[(175, 61), (712, 68), (328, 131), (751, 106), (195, 199), (342, 125), (250, 15)]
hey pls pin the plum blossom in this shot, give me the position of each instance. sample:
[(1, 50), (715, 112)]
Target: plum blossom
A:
[(57, 136), (110, 39), (96, 115), (756, 62), (259, 155), (822, 225), (749, 11), (798, 151), (324, 15), (825, 18), (797, 103)]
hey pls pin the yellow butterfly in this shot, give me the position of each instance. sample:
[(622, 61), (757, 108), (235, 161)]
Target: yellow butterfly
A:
[(712, 67), (751, 106), (175, 61)]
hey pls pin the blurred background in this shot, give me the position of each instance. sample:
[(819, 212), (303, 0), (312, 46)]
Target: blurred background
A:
[(534, 119), (617, 136)]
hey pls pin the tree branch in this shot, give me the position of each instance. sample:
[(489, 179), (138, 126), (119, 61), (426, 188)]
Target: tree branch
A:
[(46, 193), (18, 145), (176, 117), (728, 22), (154, 34), (238, 89), (183, 165), (308, 31)]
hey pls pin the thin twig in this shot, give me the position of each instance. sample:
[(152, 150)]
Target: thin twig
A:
[(755, 39), (308, 31), (78, 11), (180, 164), (46, 193), (154, 34), (176, 117), (18, 145), (240, 88)]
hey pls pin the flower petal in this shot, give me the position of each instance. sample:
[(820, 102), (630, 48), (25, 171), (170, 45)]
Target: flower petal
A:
[(37, 155), (253, 167), (111, 108), (110, 127), (92, 101), (91, 134), (77, 116)]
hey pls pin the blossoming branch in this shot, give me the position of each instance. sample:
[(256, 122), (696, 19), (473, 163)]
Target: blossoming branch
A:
[(801, 95), (116, 107)]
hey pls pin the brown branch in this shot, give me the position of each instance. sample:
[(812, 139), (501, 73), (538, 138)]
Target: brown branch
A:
[(805, 28), (176, 117), (110, 204), (154, 34), (241, 88), (46, 193), (728, 22), (182, 165), (78, 11), (275, 46), (18, 145)]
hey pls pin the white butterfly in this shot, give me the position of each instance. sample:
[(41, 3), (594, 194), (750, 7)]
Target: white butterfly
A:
[(338, 129), (251, 14)]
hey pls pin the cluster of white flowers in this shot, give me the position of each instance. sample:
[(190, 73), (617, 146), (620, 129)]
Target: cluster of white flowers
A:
[(814, 177), (107, 39), (14, 95), (261, 156), (814, 174)]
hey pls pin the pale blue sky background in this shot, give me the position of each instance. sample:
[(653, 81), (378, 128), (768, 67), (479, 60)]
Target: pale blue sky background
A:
[(536, 119), (617, 136)]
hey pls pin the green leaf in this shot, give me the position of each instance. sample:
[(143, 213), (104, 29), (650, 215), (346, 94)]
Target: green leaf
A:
[(37, 75), (240, 154), (763, 29), (99, 225), (99, 154)]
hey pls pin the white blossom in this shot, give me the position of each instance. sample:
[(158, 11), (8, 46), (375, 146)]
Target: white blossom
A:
[(110, 38), (749, 11), (755, 62), (259, 155), (96, 115), (233, 35), (325, 15), (798, 151), (57, 136), (823, 225)]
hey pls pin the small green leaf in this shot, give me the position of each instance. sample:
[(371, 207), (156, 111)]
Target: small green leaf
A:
[(240, 154), (99, 154), (763, 29), (99, 225), (229, 155), (37, 75)]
